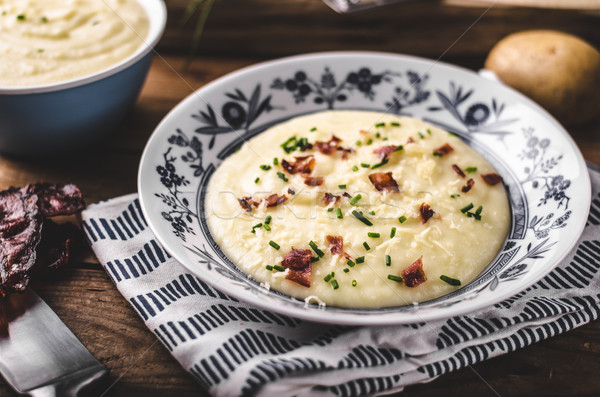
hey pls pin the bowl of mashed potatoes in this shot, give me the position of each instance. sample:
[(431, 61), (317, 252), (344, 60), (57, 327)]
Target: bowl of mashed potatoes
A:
[(70, 70), (363, 188)]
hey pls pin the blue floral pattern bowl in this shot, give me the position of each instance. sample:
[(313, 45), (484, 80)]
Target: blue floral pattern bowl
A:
[(543, 170)]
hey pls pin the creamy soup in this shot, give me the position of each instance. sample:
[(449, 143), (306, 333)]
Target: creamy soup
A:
[(52, 41), (358, 209)]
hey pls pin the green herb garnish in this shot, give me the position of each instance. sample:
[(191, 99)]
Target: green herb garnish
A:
[(361, 217), (269, 267), (393, 232), (369, 141), (397, 279), (373, 235), (400, 147), (282, 176), (315, 248), (274, 245), (338, 213), (256, 227), (355, 199), (402, 219), (313, 129), (366, 246), (354, 168), (450, 280), (330, 209), (21, 17), (257, 180), (467, 208), (470, 170), (365, 165), (279, 268), (360, 259), (267, 227), (275, 161), (358, 143), (354, 283), (421, 135), (395, 124), (388, 260), (265, 167), (350, 263), (454, 195), (382, 124), (268, 219), (342, 186), (383, 162), (346, 270), (335, 284)]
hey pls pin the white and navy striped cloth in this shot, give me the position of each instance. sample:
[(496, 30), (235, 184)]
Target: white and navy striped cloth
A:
[(233, 349)]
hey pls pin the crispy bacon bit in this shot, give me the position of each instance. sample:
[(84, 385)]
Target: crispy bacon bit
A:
[(363, 132), (410, 140), (274, 200), (313, 180), (414, 274), (30, 242), (291, 191), (346, 194), (328, 147), (384, 151), (329, 198), (298, 261), (426, 212), (492, 178), (457, 169), (345, 152), (384, 181), (303, 164), (247, 203), (336, 246), (443, 150), (468, 186)]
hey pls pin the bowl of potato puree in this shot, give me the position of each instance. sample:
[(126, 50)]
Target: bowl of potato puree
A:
[(70, 70), (363, 188)]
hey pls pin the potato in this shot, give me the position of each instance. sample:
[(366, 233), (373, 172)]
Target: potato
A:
[(559, 71)]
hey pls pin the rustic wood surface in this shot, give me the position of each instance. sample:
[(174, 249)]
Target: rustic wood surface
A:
[(240, 33)]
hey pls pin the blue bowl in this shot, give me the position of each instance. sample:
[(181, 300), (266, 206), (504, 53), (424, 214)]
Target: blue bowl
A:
[(54, 118)]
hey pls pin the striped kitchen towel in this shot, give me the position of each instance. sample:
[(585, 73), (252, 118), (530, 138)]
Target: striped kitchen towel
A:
[(233, 349)]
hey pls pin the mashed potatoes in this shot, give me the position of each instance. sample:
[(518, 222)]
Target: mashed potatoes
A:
[(358, 209), (51, 41)]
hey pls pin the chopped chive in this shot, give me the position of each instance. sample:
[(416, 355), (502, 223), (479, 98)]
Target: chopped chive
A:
[(40, 50), (275, 161), (395, 124), (267, 227), (355, 199), (360, 259), (378, 135), (274, 245), (382, 124), (327, 278), (361, 217), (354, 168), (281, 176), (342, 186), (402, 219), (314, 258), (437, 154), (365, 165), (372, 212), (369, 141), (265, 167), (268, 219), (315, 248), (388, 260), (338, 213), (478, 210), (330, 209), (421, 135), (269, 267), (400, 147), (313, 129), (256, 227), (393, 232), (335, 284), (384, 162), (346, 270), (454, 195), (358, 143), (385, 138), (257, 180), (452, 134), (394, 278), (366, 246), (21, 17), (279, 268), (466, 208), (470, 170), (428, 131), (350, 263), (44, 19), (354, 283), (450, 280), (373, 235)]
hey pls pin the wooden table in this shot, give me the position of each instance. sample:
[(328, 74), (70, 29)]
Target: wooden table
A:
[(242, 32)]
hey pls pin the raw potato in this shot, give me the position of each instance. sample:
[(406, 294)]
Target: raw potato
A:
[(559, 71)]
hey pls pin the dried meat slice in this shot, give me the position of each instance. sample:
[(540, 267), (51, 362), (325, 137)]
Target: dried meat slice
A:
[(383, 181), (57, 199), (414, 274), (298, 261)]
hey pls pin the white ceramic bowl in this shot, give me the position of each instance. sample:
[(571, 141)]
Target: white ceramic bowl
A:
[(51, 118)]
